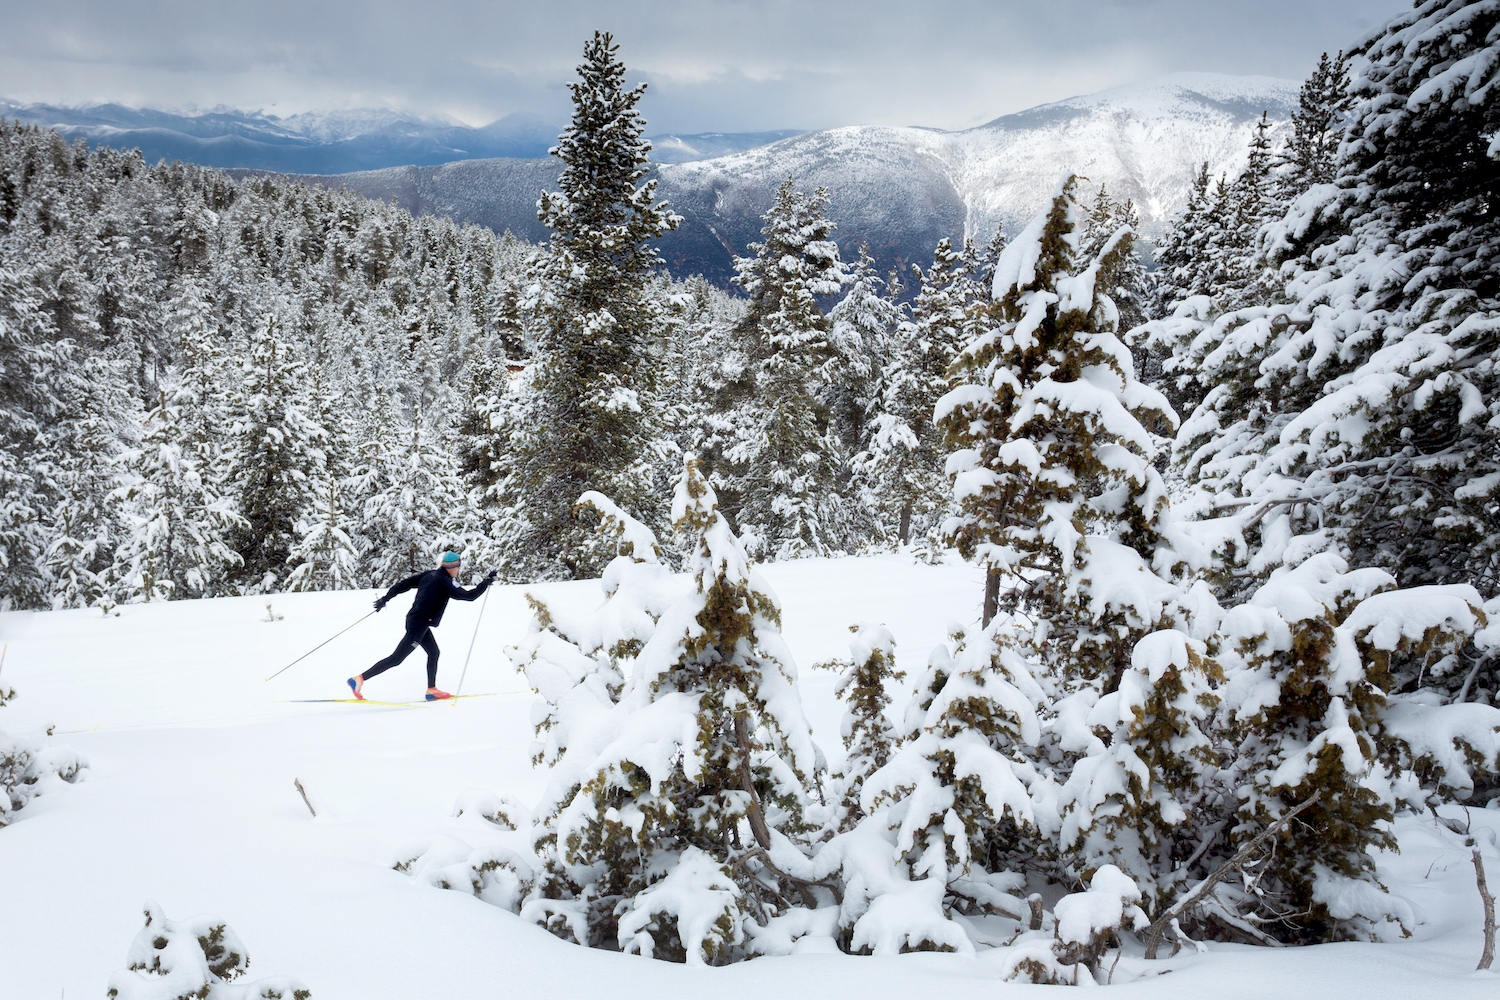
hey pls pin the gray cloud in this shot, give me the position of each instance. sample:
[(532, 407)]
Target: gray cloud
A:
[(713, 64)]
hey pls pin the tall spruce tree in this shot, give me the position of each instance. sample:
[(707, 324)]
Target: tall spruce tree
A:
[(586, 418), (178, 533), (864, 327), (27, 356), (772, 455), (1180, 255), (1310, 155), (1053, 445), (78, 464), (906, 452), (275, 455)]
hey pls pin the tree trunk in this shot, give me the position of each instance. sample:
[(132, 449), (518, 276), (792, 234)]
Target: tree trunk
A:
[(754, 814), (904, 531), (991, 595), (1489, 912)]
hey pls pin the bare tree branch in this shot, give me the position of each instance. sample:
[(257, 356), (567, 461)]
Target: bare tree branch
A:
[(1243, 855)]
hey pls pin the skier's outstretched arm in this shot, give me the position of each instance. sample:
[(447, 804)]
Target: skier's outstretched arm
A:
[(400, 588), (460, 594)]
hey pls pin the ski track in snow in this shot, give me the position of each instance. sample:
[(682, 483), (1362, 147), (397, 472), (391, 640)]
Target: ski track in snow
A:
[(190, 802)]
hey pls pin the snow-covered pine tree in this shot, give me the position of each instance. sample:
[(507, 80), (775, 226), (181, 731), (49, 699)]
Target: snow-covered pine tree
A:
[(1125, 281), (1310, 155), (863, 328), (178, 535), (1053, 448), (769, 440), (124, 288), (1143, 801), (1244, 278), (1361, 414), (1180, 253), (586, 416), (77, 460), (703, 359), (200, 390), (326, 555), (413, 499), (869, 734), (952, 802), (982, 262), (275, 455), (663, 842), (906, 453), (1304, 710), (27, 355)]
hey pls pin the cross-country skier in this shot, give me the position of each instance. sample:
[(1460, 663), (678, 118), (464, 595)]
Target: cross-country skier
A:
[(433, 588)]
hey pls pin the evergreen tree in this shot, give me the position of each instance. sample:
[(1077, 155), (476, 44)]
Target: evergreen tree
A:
[(1310, 156), (1144, 802), (869, 736), (770, 442), (415, 500), (906, 451), (325, 556), (954, 792), (27, 355), (275, 456), (178, 533), (639, 836), (984, 261), (1125, 280), (1251, 202), (864, 325), (861, 325), (1181, 254), (1052, 457), (77, 460), (586, 418)]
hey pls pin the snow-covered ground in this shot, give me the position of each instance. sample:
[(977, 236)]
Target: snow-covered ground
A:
[(190, 802)]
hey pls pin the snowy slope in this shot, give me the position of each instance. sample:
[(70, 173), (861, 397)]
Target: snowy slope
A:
[(1145, 140), (190, 802)]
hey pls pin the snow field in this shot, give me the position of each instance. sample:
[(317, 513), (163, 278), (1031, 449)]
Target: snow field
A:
[(190, 802)]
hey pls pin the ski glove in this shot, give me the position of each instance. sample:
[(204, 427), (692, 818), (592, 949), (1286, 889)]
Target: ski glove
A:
[(380, 604), (490, 578)]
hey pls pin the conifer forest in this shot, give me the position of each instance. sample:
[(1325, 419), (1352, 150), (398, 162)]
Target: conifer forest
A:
[(1232, 491)]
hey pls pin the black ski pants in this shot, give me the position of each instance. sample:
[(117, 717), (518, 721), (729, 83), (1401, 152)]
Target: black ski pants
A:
[(416, 635)]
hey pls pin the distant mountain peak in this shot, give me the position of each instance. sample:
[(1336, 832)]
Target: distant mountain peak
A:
[(1171, 95)]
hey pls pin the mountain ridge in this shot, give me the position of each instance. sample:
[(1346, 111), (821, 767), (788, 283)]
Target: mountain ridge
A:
[(896, 189)]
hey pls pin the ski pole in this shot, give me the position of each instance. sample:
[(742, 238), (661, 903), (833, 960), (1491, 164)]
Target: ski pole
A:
[(314, 649), (485, 600)]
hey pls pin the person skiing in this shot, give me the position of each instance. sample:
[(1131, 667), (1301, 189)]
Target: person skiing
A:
[(433, 588)]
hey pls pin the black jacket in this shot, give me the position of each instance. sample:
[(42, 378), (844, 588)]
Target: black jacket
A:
[(433, 587)]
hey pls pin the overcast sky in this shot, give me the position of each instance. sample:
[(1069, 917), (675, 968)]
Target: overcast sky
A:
[(713, 65)]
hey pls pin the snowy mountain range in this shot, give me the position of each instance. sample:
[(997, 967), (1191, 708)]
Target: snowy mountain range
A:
[(897, 189), (900, 190), (331, 142)]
